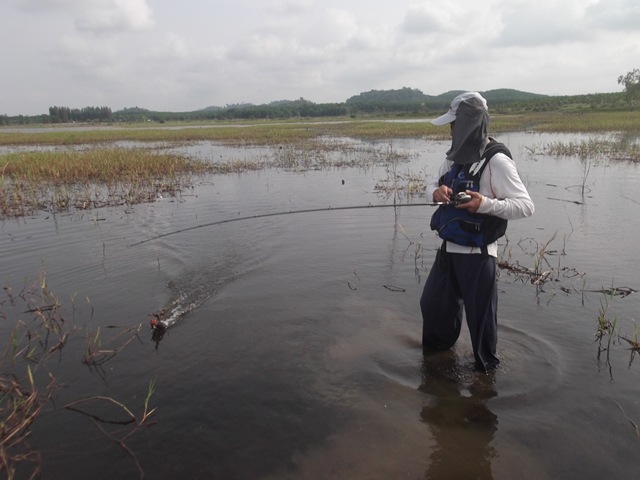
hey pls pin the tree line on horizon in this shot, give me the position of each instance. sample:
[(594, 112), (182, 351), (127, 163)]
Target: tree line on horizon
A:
[(400, 102), (87, 114)]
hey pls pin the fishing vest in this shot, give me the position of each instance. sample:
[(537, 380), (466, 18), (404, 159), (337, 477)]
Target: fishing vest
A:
[(459, 225)]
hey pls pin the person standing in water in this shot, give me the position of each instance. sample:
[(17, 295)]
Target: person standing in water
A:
[(463, 277)]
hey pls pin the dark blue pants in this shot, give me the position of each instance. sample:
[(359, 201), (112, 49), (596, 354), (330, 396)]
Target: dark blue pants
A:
[(461, 283)]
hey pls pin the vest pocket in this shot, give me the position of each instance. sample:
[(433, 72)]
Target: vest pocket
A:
[(470, 227)]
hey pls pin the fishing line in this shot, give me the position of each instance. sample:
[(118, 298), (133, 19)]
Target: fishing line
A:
[(290, 212)]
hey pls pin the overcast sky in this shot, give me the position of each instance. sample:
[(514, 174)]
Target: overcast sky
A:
[(184, 55)]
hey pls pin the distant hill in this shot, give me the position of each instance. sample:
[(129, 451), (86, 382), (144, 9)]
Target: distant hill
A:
[(402, 95), (498, 96), (503, 95), (416, 97), (400, 102)]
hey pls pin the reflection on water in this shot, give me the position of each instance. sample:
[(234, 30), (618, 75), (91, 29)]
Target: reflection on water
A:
[(459, 418)]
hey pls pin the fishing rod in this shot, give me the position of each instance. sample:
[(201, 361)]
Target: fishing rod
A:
[(459, 198)]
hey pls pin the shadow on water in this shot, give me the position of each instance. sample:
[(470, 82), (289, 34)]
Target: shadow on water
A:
[(459, 418)]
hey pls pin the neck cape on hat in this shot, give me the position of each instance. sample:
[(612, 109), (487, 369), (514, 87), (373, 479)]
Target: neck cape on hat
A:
[(469, 117)]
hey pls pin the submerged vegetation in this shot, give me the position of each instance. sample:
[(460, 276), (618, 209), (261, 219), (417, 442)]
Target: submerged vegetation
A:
[(83, 178), (29, 387), (81, 168), (60, 180), (614, 149), (56, 180)]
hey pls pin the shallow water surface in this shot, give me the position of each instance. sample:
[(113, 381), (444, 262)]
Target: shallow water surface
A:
[(295, 351)]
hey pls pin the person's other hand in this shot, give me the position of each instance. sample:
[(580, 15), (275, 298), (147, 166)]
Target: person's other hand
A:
[(442, 194)]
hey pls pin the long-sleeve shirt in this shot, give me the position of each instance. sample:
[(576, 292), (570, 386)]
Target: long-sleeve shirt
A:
[(504, 195)]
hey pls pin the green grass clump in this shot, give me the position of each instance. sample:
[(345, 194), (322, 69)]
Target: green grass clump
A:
[(57, 181), (619, 150), (241, 134), (103, 165)]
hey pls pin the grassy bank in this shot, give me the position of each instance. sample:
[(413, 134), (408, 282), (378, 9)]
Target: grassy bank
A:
[(279, 132)]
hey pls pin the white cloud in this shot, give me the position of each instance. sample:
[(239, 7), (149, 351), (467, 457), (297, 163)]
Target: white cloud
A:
[(547, 22), (114, 15), (285, 7), (459, 19), (429, 19), (615, 15), (46, 5), (194, 53), (93, 15), (331, 27), (302, 40), (176, 47)]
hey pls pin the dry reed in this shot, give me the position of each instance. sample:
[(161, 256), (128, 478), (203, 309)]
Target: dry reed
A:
[(28, 386)]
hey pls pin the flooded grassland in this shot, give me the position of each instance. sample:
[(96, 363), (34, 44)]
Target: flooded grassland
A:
[(292, 348)]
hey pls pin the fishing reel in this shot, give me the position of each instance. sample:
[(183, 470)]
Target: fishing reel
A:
[(460, 197)]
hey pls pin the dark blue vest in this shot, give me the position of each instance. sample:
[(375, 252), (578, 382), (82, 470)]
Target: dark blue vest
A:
[(458, 225)]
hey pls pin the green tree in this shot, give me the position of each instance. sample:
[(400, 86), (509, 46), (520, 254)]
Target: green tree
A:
[(631, 83)]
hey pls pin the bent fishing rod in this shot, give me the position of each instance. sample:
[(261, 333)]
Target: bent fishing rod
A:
[(461, 197)]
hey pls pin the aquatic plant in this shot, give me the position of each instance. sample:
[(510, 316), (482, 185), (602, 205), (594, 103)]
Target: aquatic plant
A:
[(597, 149), (99, 351), (106, 166), (634, 343), (86, 174), (542, 269), (27, 384), (119, 431), (61, 180), (635, 426), (606, 328)]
